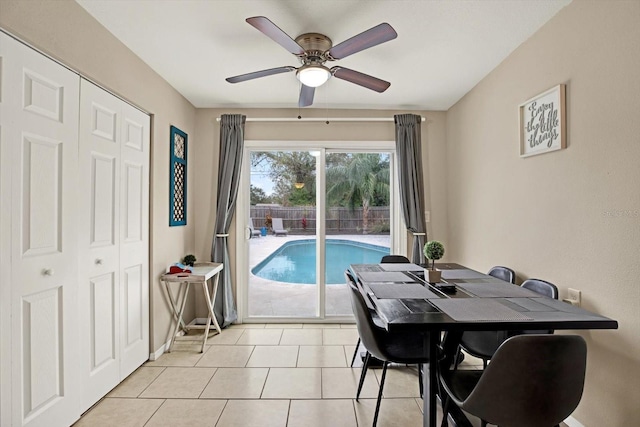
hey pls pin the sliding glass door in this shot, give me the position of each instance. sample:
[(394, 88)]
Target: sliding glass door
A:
[(309, 213), (282, 257), (357, 219)]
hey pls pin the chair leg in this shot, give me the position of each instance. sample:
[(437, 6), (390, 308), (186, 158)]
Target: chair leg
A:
[(456, 358), (445, 410), (420, 383), (363, 374), (355, 352), (484, 363), (384, 374), (483, 423)]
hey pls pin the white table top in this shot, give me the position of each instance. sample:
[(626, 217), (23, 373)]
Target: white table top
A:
[(199, 273)]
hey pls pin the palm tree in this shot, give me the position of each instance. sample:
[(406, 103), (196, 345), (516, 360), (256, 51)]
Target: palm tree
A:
[(360, 183)]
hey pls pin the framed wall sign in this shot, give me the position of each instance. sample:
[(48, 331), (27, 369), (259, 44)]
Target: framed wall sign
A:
[(543, 123), (178, 178)]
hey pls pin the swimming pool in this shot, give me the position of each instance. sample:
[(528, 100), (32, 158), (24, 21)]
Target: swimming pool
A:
[(295, 261)]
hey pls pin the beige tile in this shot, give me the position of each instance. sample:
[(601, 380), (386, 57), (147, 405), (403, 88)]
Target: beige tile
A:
[(321, 356), (226, 356), (260, 337), (348, 325), (321, 326), (187, 413), (176, 358), (254, 413), (400, 382), (120, 412), (135, 383), (274, 356), (301, 337), (227, 337), (340, 336), (471, 362), (284, 326), (236, 383), (293, 383), (248, 326), (348, 354), (342, 383), (393, 412), (188, 346), (178, 383), (322, 413)]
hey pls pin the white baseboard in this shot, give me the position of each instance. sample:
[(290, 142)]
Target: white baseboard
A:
[(572, 422), (159, 352), (163, 348)]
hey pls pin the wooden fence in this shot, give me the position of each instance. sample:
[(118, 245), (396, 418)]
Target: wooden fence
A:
[(338, 220)]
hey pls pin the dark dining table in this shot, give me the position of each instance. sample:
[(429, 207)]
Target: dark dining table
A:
[(464, 300)]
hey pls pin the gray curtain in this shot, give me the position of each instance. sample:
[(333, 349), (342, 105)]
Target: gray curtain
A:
[(409, 152), (231, 146)]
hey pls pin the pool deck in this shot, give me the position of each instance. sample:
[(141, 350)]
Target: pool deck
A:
[(268, 298)]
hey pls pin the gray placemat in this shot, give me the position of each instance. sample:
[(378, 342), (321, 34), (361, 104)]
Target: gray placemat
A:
[(384, 276), (477, 310), (462, 274), (401, 291), (497, 290), (403, 266), (527, 304)]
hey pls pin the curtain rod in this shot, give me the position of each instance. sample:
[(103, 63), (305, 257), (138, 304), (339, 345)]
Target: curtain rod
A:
[(318, 119)]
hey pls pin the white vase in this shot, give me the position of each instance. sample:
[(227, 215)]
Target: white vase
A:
[(433, 276)]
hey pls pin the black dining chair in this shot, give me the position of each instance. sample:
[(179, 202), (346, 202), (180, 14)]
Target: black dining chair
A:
[(406, 348), (503, 273), (351, 281), (541, 287), (386, 259), (397, 259), (532, 381), (483, 344)]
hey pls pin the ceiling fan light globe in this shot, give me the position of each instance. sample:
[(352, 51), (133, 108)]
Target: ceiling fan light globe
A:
[(313, 75)]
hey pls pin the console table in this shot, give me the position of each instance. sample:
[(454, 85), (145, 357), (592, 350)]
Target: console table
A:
[(200, 274)]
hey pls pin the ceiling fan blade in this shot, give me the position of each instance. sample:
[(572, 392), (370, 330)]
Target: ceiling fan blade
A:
[(372, 37), (306, 96), (361, 79), (271, 30), (257, 74)]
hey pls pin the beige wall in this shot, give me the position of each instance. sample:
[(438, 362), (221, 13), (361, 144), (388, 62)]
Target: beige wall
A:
[(208, 131), (573, 216), (65, 31)]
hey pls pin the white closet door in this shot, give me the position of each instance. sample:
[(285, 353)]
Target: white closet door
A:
[(134, 239), (5, 243), (40, 124), (114, 240), (99, 242)]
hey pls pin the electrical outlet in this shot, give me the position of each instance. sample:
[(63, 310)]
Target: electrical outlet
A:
[(427, 216), (574, 295)]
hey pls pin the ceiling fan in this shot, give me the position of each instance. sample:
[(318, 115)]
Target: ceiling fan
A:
[(313, 50)]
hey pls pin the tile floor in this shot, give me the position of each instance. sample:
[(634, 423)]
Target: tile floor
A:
[(260, 375)]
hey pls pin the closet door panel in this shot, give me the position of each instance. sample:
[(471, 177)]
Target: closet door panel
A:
[(5, 244), (99, 242), (40, 128), (134, 242)]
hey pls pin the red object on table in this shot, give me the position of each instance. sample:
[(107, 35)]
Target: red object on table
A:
[(174, 269)]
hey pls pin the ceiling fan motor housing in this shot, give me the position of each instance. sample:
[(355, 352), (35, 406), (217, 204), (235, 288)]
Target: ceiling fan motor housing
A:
[(315, 46)]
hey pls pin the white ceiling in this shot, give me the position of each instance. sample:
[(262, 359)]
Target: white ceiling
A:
[(443, 49)]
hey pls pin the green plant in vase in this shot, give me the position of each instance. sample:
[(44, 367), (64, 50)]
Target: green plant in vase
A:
[(189, 260), (433, 250)]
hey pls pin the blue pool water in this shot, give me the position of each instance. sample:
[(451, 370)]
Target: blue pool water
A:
[(295, 262)]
